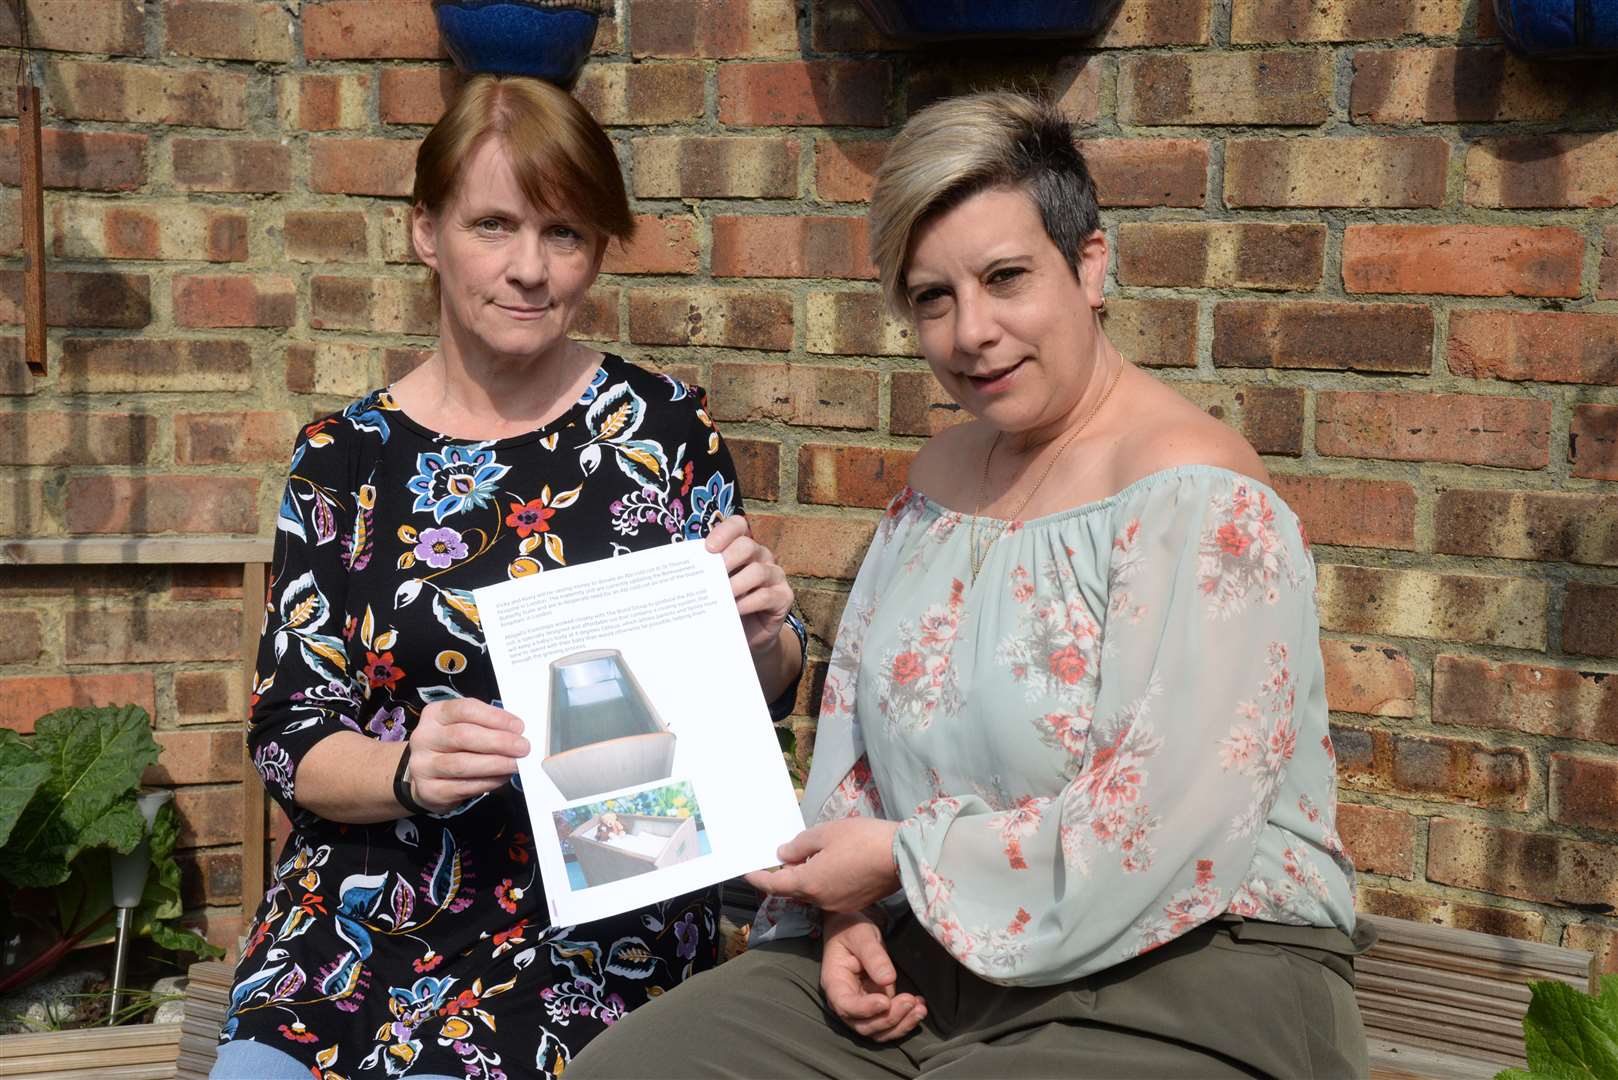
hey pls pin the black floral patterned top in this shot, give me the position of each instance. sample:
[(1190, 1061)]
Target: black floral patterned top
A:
[(421, 944)]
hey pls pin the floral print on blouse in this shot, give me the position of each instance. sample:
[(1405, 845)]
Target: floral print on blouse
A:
[(423, 945), (1118, 733)]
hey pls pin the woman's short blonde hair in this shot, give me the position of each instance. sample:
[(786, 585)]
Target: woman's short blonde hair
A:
[(563, 161), (956, 148)]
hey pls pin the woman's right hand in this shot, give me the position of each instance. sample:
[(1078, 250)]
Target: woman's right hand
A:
[(460, 749), (859, 980)]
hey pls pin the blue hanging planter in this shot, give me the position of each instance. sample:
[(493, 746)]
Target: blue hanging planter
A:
[(547, 39), (1559, 28), (942, 19)]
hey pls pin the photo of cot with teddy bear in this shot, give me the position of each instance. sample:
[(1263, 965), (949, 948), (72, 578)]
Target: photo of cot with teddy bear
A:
[(629, 834)]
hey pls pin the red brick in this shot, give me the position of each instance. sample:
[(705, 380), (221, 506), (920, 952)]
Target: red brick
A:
[(693, 166), (22, 643), (851, 475), (1154, 332), (663, 244), (1368, 600), (397, 363), (105, 229), (1379, 841), (758, 467), (1543, 170), (1607, 286), (209, 697), (325, 236), (1269, 417), (1533, 698), (597, 319), (142, 505), (1148, 172), (232, 438), (1584, 791), (1248, 255), (712, 29), (1375, 338), (209, 816), (221, 300), (90, 160), (329, 367), (844, 28), (1402, 171), (140, 94), (112, 26), (919, 406), (1590, 620), (855, 324), (256, 30), (210, 877), (206, 582), (803, 246), (196, 757), (1072, 82), (1459, 770), (369, 30), (26, 698), (79, 298), (807, 92), (806, 394), (845, 169), (137, 365), (1600, 941), (1374, 680), (1255, 21), (362, 166), (375, 305), (1155, 22), (815, 546), (1551, 526), (725, 317), (1541, 346), (76, 438), (1463, 260), (1353, 512), (1290, 87), (231, 165), (1507, 433), (22, 508), (149, 635), (416, 95), (1458, 86), (1484, 919), (620, 94), (1526, 865), (1593, 442), (327, 102)]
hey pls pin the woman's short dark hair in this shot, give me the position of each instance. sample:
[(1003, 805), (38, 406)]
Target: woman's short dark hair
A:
[(959, 147)]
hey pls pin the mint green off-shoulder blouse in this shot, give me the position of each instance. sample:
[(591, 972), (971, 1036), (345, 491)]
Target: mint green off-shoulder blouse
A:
[(1115, 734)]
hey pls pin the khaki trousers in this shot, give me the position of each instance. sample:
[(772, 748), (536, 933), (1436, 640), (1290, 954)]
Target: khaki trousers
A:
[(1230, 999)]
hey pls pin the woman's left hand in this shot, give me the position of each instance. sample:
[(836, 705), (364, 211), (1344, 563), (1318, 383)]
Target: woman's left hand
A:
[(839, 865), (760, 587)]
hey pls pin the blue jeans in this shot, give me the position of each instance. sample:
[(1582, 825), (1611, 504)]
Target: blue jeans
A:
[(244, 1059)]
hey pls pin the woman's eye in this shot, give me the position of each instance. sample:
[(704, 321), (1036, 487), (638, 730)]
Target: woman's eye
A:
[(927, 297), (1005, 274), (489, 224)]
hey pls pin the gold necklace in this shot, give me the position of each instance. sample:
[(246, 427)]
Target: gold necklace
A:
[(980, 551)]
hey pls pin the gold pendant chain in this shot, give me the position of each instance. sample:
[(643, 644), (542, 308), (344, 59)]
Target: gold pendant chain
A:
[(980, 551)]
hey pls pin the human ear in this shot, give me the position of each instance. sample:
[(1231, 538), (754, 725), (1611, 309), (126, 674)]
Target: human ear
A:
[(424, 235), (1093, 268)]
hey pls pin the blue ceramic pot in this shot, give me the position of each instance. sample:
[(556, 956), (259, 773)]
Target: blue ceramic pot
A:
[(921, 19), (518, 37)]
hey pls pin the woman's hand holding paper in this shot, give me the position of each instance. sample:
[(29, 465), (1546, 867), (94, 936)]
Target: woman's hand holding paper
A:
[(836, 866)]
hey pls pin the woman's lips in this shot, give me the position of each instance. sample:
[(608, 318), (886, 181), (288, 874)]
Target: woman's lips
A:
[(995, 381), (517, 311)]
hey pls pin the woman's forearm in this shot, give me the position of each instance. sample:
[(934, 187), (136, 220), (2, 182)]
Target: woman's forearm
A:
[(348, 777), (779, 664)]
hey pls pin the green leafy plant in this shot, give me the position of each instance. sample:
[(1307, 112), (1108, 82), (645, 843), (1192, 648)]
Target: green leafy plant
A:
[(67, 803), (1570, 1035)]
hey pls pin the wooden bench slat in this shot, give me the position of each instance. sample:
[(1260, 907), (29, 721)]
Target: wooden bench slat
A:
[(1455, 997), (1407, 1028), (1483, 950), (1371, 968), (1394, 1062)]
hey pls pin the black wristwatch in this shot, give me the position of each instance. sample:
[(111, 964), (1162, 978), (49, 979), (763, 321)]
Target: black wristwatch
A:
[(401, 785)]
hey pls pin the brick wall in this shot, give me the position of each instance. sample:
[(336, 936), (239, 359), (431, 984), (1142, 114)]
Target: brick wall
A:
[(1358, 231)]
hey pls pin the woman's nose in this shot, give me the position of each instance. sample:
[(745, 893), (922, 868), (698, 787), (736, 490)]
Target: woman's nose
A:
[(975, 325), (528, 266)]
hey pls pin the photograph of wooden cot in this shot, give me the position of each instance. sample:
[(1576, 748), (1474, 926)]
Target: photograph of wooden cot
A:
[(604, 733), (630, 834)]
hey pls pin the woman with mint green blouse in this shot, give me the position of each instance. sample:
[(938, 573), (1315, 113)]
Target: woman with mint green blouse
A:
[(1072, 810)]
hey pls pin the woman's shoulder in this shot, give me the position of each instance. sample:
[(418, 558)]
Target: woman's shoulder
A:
[(664, 395), (1174, 434), (948, 465)]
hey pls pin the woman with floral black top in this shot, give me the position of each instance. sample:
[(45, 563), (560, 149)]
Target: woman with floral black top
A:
[(405, 932)]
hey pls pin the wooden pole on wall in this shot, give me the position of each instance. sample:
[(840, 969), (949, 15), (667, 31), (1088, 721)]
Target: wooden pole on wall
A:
[(33, 203)]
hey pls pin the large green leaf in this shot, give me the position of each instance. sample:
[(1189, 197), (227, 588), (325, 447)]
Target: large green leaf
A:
[(22, 771), (96, 757), (1570, 1035)]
